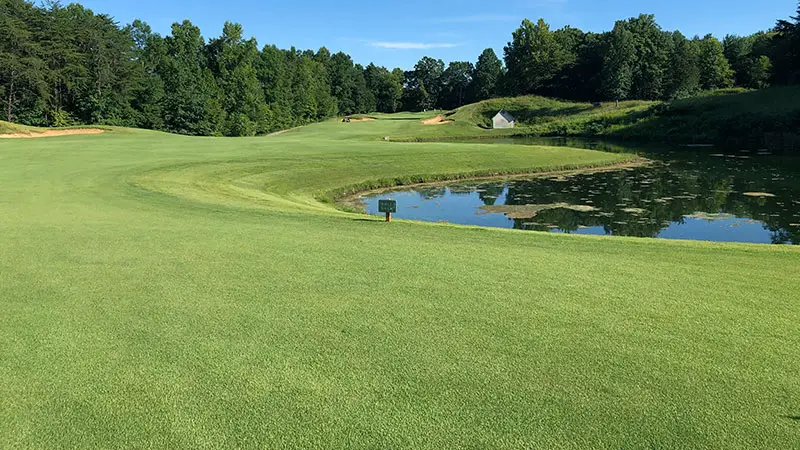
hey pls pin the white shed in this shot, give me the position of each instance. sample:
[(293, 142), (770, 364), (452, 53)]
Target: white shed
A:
[(503, 119)]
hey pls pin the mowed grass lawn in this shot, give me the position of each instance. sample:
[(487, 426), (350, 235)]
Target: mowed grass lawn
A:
[(160, 291)]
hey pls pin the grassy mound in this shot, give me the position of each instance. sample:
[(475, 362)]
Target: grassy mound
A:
[(163, 291), (721, 116), (11, 128), (545, 116), (712, 117)]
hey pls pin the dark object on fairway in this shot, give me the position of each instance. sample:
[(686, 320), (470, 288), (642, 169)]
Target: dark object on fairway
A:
[(597, 104), (388, 207), (346, 120)]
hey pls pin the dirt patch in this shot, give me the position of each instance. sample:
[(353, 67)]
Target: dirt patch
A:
[(278, 133), (637, 211), (710, 216), (51, 133), (438, 120), (530, 211)]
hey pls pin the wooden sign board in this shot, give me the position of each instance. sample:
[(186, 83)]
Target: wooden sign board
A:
[(387, 206)]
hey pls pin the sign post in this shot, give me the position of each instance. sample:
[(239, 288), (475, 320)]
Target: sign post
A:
[(388, 207)]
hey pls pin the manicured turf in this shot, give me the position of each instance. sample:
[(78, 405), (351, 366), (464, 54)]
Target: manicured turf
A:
[(173, 292)]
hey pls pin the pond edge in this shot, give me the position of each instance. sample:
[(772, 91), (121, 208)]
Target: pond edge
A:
[(349, 198)]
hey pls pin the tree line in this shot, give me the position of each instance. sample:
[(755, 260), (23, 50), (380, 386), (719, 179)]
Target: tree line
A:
[(64, 65)]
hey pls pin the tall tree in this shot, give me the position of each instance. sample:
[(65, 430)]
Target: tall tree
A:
[(749, 59), (651, 57), (486, 76), (233, 61), (618, 63), (533, 57), (684, 79), (363, 96), (67, 72), (273, 73), (564, 83), (585, 77), (715, 70), (22, 71), (191, 104), (428, 72), (147, 94), (343, 82), (455, 82), (385, 86), (738, 50), (415, 94), (786, 52)]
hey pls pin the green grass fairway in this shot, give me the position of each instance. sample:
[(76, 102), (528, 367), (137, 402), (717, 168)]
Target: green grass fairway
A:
[(161, 291)]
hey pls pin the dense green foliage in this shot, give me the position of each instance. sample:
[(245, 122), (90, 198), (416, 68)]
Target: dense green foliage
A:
[(63, 65), (164, 291)]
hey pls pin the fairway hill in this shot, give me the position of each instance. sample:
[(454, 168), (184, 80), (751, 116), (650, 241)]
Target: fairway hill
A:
[(714, 117), (166, 291)]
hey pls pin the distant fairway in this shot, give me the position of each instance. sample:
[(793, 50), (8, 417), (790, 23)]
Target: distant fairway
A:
[(161, 291)]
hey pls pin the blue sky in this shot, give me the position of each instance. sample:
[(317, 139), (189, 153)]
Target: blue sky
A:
[(398, 33)]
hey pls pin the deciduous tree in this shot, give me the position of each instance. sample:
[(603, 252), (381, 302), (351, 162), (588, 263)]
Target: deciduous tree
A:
[(533, 57), (486, 76)]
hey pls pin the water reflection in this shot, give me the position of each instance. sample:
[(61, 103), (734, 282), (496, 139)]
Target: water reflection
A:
[(704, 194)]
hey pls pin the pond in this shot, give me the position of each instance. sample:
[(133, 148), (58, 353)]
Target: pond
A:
[(707, 194)]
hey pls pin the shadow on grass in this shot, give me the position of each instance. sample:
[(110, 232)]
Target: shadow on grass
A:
[(795, 418)]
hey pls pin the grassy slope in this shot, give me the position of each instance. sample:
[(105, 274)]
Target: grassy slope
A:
[(167, 291), (8, 128), (15, 128), (720, 117), (535, 116), (711, 117)]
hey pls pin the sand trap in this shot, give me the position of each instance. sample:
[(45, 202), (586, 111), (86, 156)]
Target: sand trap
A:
[(363, 119), (759, 194), (438, 120), (51, 133)]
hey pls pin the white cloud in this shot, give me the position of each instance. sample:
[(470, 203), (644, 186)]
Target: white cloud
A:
[(411, 45)]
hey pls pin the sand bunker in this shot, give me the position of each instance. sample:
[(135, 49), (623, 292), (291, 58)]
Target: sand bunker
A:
[(363, 119), (438, 120), (759, 194), (51, 133)]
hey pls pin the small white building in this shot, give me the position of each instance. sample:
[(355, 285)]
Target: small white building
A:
[(503, 119)]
